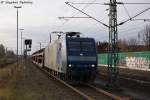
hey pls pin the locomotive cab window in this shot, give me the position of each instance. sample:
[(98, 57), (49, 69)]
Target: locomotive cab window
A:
[(80, 46), (74, 46), (87, 46)]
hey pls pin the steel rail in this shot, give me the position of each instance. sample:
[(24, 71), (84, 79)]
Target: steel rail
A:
[(129, 78), (66, 84), (81, 93), (113, 96), (74, 89)]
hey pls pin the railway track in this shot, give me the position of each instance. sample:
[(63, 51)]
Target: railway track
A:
[(91, 93), (88, 92), (128, 74), (136, 80), (96, 93), (128, 78)]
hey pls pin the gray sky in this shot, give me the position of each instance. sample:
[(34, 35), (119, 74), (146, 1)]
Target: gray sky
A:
[(41, 18)]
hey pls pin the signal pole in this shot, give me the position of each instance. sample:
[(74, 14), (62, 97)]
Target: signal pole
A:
[(21, 30), (17, 28), (50, 38), (113, 46)]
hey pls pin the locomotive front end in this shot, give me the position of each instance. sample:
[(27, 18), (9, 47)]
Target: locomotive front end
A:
[(81, 59)]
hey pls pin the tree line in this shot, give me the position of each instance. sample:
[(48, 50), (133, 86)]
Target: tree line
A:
[(139, 43), (5, 53)]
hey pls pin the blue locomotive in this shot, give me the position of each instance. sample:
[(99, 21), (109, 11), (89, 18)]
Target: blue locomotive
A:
[(71, 58)]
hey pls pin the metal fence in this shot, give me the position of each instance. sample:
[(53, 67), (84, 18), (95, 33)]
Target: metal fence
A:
[(133, 60)]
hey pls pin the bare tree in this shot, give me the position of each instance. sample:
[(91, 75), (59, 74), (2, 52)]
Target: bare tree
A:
[(146, 36), (122, 44), (102, 46), (132, 42)]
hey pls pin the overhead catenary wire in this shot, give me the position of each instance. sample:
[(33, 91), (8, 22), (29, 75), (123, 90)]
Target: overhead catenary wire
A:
[(130, 18), (86, 6), (134, 3), (88, 3), (109, 3), (134, 16), (86, 14), (126, 10), (142, 19), (72, 17)]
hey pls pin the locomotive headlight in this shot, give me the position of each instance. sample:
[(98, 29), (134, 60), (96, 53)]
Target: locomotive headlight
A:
[(70, 65), (92, 65)]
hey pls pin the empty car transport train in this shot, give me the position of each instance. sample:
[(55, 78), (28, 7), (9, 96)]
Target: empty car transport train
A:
[(71, 58)]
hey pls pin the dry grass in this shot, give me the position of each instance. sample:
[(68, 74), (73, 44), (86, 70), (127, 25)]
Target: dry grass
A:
[(6, 75), (13, 85), (26, 82)]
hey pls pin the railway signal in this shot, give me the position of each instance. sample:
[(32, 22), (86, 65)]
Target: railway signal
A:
[(28, 43)]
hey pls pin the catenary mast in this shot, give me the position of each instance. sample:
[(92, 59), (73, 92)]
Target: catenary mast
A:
[(113, 47)]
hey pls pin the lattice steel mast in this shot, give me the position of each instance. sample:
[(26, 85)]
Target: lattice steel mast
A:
[(113, 46), (113, 37)]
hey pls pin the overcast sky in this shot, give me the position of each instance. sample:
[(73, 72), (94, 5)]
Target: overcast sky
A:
[(40, 18)]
